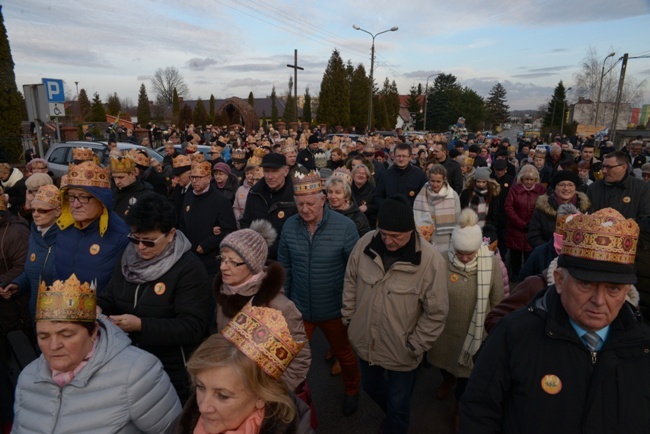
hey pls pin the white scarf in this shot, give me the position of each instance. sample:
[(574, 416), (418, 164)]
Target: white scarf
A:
[(482, 263)]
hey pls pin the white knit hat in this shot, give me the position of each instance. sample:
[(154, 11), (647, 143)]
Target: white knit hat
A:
[(467, 235)]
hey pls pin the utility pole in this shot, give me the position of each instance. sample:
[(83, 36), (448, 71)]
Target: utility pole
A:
[(295, 78), (619, 93)]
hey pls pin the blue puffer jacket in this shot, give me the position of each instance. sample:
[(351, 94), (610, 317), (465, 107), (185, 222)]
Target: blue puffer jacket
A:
[(315, 269), (39, 265)]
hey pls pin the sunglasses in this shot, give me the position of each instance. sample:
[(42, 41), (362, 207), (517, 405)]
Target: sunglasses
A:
[(42, 211), (147, 243)]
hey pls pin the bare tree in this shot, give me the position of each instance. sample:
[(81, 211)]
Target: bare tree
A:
[(165, 80)]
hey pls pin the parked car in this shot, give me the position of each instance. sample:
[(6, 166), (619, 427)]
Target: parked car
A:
[(203, 148), (60, 155)]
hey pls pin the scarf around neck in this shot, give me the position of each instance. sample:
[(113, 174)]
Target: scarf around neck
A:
[(64, 378), (138, 270), (246, 289)]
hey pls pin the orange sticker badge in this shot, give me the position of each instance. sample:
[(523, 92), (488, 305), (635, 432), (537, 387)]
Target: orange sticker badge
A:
[(281, 215), (411, 193), (94, 249), (159, 288), (32, 257), (551, 384), (627, 199), (187, 208), (453, 278)]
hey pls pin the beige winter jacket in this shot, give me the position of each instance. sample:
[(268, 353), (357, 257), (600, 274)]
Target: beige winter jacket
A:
[(394, 315)]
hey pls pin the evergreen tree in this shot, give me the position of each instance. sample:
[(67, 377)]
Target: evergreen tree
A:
[(391, 94), (84, 105), (97, 110), (415, 107), (10, 101), (176, 108), (349, 71), (359, 94), (274, 107), (158, 110), (200, 114), (144, 110), (555, 110), (289, 114), (497, 111), (213, 103), (334, 97), (113, 105), (185, 117), (265, 123), (251, 99), (306, 108), (439, 115)]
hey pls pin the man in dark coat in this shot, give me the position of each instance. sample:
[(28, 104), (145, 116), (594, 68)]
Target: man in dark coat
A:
[(206, 217), (576, 359), (500, 175), (148, 174), (454, 173), (306, 156), (401, 178), (128, 187), (180, 183)]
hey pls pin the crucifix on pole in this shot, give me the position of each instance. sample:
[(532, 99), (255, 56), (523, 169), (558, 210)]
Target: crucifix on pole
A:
[(295, 78)]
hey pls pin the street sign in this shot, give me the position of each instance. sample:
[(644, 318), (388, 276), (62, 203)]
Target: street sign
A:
[(54, 88), (57, 109), (36, 102)]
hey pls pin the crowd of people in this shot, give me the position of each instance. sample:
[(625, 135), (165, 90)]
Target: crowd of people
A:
[(181, 297)]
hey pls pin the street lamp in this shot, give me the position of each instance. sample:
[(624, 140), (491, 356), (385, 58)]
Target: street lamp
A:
[(76, 83), (426, 95), (563, 109), (372, 67), (600, 87)]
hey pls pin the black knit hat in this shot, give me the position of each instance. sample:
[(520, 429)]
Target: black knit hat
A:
[(396, 214), (565, 175)]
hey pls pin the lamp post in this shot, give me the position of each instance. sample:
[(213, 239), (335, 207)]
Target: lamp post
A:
[(372, 67), (563, 109), (426, 96), (600, 87), (76, 83)]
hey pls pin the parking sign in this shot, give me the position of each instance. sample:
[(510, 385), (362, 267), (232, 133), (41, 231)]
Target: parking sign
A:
[(55, 96)]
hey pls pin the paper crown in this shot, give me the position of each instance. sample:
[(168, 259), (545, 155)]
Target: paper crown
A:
[(49, 194), (540, 153), (88, 174), (320, 160), (141, 158), (368, 149), (203, 168), (288, 146), (256, 159), (68, 300), (343, 174), (306, 184), (262, 334), (123, 164), (238, 154), (197, 157), (82, 154), (181, 161), (603, 236), (215, 148), (191, 148), (3, 200), (560, 223)]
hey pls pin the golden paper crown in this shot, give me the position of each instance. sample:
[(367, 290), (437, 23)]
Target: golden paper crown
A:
[(343, 174), (88, 174), (540, 153), (262, 334), (238, 154), (83, 154), (287, 146), (468, 161), (320, 160), (197, 157), (66, 301), (259, 153), (141, 158), (215, 148), (511, 149), (254, 161), (603, 236), (191, 148), (49, 194), (368, 149), (306, 184), (203, 168), (122, 164), (223, 139), (181, 161)]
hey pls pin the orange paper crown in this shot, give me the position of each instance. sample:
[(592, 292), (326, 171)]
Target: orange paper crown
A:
[(238, 154), (203, 168), (181, 161), (343, 174), (560, 223), (368, 149), (320, 160), (82, 154), (88, 174), (262, 334), (141, 158), (288, 146), (603, 236), (191, 148), (306, 184), (68, 300), (122, 164), (215, 148), (49, 194), (197, 157)]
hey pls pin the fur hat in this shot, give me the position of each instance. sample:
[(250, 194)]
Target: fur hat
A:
[(467, 235), (252, 244)]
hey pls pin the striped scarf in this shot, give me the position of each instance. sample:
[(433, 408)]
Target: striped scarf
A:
[(483, 266), (438, 209)]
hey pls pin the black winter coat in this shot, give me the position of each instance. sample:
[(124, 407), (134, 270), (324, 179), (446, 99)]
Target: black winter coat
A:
[(542, 223), (359, 218), (175, 311), (364, 196), (532, 348), (408, 181), (125, 198)]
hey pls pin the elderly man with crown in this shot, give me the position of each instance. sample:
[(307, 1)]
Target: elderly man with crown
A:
[(92, 235), (129, 187), (89, 378), (577, 359)]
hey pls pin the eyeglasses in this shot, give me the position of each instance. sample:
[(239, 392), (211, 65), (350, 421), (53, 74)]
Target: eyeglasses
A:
[(229, 262), (147, 243), (569, 185), (81, 199), (608, 167), (42, 211)]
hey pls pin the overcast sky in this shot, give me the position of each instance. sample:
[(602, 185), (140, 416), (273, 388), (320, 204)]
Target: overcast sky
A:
[(230, 47)]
